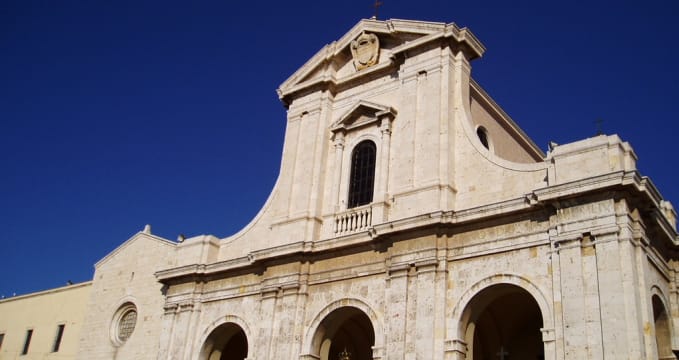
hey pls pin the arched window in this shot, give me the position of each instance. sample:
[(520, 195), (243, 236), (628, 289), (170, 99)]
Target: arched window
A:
[(362, 178)]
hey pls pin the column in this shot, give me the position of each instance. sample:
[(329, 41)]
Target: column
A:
[(385, 129), (338, 140), (262, 342), (396, 295)]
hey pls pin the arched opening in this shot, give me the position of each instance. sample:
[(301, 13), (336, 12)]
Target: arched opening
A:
[(226, 342), (504, 322), (482, 133), (345, 331), (663, 335), (362, 178)]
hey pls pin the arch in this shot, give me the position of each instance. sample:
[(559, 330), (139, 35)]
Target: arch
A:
[(324, 324), (662, 324), (457, 322), (225, 339), (362, 174), (461, 323)]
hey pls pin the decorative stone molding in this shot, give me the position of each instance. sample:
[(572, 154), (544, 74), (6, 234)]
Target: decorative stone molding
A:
[(379, 352), (456, 346), (365, 50), (170, 309), (364, 113), (185, 306), (548, 335)]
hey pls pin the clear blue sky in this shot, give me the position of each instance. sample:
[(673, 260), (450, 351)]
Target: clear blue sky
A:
[(118, 114)]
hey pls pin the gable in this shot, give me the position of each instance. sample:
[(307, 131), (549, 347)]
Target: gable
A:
[(142, 238), (363, 113), (349, 58)]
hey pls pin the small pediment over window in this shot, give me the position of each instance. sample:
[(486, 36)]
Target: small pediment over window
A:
[(363, 113)]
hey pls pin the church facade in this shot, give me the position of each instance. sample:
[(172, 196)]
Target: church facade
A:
[(412, 219)]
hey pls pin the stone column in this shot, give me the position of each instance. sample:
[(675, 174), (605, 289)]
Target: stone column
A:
[(193, 310), (549, 343), (396, 295), (300, 310), (385, 129), (181, 335), (338, 141), (166, 335), (580, 297), (425, 313), (283, 335), (265, 331)]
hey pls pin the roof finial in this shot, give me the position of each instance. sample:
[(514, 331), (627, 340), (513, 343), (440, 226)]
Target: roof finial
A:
[(376, 5)]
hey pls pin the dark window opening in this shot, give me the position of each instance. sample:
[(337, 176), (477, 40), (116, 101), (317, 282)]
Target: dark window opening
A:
[(27, 342), (362, 178), (57, 340), (483, 137), (2, 337)]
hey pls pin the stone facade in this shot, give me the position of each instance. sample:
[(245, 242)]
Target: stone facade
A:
[(412, 219)]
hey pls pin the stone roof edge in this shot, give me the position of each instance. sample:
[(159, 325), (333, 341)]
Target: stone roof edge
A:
[(429, 30), (510, 124), (129, 241), (537, 198), (48, 291)]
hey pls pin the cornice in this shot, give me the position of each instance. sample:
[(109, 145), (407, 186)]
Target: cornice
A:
[(430, 31), (538, 199)]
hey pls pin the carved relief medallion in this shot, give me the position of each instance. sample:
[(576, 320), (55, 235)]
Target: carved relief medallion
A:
[(365, 50)]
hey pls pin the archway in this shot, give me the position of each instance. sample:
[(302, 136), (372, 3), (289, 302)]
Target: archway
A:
[(346, 329), (663, 336), (226, 342), (504, 322)]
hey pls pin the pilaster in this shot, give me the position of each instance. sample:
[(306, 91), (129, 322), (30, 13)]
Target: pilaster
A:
[(396, 310)]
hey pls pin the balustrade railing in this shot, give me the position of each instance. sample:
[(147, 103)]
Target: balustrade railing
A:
[(353, 220)]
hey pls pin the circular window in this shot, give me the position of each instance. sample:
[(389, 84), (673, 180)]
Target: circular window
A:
[(123, 323)]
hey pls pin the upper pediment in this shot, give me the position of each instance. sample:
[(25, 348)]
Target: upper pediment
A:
[(372, 45), (363, 113)]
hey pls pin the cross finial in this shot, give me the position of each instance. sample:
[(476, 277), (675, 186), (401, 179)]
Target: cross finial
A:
[(376, 5), (345, 355), (503, 354), (598, 123)]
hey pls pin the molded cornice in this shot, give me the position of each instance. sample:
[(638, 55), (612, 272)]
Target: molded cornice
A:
[(427, 32)]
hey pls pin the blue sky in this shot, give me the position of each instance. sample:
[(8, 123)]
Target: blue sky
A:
[(114, 115)]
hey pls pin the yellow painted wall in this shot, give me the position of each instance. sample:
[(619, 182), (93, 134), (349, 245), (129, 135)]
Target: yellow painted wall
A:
[(43, 312)]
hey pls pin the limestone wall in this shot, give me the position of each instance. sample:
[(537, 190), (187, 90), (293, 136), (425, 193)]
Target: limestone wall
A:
[(126, 276)]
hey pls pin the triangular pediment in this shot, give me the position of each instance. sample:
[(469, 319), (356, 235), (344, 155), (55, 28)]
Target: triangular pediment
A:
[(336, 64), (147, 238), (361, 114)]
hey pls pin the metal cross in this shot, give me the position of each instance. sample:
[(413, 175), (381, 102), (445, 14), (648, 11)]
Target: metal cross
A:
[(376, 5), (502, 353)]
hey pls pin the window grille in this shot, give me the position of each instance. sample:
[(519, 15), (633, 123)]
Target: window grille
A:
[(127, 324), (362, 178)]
